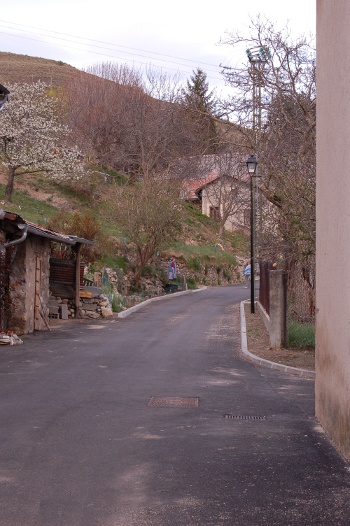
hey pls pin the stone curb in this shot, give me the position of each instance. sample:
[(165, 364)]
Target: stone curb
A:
[(303, 373), (129, 311)]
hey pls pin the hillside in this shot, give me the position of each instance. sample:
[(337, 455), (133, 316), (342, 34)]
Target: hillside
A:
[(196, 248), (23, 68), (40, 201)]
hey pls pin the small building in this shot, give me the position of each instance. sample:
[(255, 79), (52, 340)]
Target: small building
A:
[(219, 195), (191, 188), (25, 251)]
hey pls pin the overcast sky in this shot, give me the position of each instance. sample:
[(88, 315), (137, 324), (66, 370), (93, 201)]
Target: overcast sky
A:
[(175, 36)]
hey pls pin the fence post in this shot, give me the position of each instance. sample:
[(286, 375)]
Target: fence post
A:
[(278, 309), (285, 335)]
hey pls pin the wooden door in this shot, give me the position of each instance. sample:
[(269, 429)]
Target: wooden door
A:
[(37, 317)]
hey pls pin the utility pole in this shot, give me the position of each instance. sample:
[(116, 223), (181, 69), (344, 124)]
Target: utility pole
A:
[(257, 56)]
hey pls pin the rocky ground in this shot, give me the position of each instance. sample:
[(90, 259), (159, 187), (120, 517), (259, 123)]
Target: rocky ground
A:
[(258, 344)]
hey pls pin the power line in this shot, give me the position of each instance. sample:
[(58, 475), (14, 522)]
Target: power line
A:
[(106, 54), (100, 47)]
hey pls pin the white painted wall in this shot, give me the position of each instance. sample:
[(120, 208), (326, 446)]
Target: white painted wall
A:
[(333, 221)]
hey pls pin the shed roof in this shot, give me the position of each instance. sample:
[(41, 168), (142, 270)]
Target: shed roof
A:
[(10, 219)]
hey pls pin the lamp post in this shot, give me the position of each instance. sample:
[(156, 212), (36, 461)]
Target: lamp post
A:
[(252, 165)]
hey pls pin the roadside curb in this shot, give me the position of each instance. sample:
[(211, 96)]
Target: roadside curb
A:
[(129, 311), (303, 373)]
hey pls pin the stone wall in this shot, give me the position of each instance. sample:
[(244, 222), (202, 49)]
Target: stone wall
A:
[(33, 253), (97, 307)]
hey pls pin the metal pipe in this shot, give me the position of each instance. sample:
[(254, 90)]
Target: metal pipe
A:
[(16, 241)]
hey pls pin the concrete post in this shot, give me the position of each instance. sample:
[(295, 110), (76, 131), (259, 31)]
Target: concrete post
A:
[(276, 321)]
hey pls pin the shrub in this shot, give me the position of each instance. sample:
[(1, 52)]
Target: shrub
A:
[(122, 263), (117, 303), (194, 264), (301, 334), (82, 225), (191, 284), (227, 275)]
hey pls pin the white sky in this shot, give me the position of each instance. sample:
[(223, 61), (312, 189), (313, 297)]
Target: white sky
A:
[(177, 37)]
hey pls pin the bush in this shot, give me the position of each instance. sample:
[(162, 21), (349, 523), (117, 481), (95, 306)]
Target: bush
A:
[(227, 275), (194, 264), (301, 334), (122, 263), (149, 271), (191, 284), (117, 303)]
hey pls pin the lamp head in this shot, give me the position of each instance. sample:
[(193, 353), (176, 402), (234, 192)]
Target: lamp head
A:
[(251, 163)]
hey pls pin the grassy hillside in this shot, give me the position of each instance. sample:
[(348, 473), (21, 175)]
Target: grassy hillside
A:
[(23, 68), (41, 201), (195, 249)]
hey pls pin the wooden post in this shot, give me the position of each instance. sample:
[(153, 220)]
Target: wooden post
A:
[(77, 279), (37, 292)]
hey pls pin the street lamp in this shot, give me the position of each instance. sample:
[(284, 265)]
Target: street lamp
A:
[(252, 165)]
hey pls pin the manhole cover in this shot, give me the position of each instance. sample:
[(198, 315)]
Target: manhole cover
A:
[(244, 417), (173, 401)]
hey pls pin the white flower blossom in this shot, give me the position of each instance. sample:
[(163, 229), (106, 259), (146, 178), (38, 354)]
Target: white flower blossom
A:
[(33, 140)]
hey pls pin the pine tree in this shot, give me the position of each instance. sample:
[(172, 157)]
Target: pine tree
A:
[(198, 95), (200, 105)]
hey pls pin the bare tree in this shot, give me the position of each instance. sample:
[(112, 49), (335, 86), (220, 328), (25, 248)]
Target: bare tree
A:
[(274, 107), (129, 121), (148, 215)]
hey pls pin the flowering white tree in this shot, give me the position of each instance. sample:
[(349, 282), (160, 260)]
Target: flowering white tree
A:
[(32, 140)]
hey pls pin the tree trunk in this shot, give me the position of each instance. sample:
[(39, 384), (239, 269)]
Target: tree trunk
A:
[(221, 230), (10, 182)]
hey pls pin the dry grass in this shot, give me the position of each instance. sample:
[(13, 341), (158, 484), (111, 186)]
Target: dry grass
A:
[(23, 69)]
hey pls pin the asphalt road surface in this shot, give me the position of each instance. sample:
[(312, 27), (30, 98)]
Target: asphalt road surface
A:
[(157, 420)]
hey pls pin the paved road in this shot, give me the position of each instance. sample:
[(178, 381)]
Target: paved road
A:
[(80, 444)]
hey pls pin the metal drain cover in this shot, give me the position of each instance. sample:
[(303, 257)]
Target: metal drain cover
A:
[(173, 401), (244, 417)]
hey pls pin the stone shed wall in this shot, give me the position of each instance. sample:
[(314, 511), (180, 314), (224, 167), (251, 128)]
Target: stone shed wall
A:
[(29, 272)]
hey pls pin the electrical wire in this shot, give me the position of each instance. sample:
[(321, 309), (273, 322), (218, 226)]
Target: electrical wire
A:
[(103, 47)]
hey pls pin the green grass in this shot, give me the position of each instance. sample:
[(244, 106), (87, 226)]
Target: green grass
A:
[(202, 231), (191, 284), (197, 255), (301, 334), (195, 214), (28, 207)]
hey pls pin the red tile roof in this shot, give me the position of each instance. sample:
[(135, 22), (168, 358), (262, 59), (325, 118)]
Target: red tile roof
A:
[(192, 186)]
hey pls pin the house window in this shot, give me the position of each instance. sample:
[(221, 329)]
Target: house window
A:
[(214, 213)]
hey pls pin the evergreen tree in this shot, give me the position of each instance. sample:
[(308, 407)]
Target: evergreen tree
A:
[(200, 106), (197, 95)]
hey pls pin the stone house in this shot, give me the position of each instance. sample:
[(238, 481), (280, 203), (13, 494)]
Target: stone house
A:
[(220, 195), (227, 197), (25, 251)]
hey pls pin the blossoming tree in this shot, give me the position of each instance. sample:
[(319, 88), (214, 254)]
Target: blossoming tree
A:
[(32, 140)]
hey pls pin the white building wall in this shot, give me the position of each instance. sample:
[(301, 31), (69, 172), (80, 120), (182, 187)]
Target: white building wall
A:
[(209, 199), (333, 221)]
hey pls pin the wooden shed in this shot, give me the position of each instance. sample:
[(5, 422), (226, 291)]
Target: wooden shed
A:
[(25, 251)]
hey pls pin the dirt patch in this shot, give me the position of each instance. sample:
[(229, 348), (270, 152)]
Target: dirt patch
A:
[(259, 345), (38, 193)]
